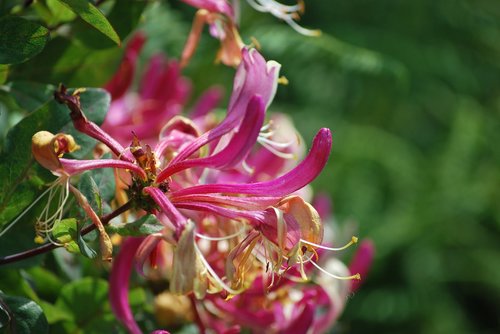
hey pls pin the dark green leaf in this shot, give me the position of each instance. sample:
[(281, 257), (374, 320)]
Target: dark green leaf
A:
[(26, 316), (70, 62), (31, 95), (20, 39), (13, 283), (23, 179), (143, 226), (93, 16), (124, 17), (85, 249)]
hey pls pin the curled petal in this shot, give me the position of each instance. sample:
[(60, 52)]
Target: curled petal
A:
[(292, 181), (243, 203), (119, 284), (78, 166), (47, 148), (254, 76), (235, 151)]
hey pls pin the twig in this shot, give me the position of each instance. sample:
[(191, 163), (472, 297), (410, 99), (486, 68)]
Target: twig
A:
[(48, 247)]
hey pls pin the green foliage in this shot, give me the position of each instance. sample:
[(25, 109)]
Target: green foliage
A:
[(20, 39), (21, 186), (24, 316), (93, 16), (142, 227)]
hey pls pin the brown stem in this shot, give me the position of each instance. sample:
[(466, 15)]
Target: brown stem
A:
[(48, 247)]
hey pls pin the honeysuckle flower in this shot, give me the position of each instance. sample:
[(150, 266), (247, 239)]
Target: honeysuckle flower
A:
[(228, 220), (219, 15), (222, 19), (48, 150), (161, 95)]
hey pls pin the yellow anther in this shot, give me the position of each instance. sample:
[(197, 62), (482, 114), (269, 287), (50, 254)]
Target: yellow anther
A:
[(354, 239), (283, 80)]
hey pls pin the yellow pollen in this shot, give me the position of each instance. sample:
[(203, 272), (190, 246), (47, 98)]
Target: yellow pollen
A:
[(283, 80)]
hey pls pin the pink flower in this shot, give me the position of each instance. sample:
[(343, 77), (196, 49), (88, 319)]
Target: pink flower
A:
[(232, 216), (163, 93)]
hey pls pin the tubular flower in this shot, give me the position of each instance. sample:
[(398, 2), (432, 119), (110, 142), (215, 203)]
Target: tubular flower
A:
[(228, 219), (222, 19), (48, 150), (162, 94), (219, 15)]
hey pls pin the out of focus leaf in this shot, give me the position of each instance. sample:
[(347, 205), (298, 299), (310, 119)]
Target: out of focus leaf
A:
[(26, 316), (85, 300), (93, 16), (124, 17), (20, 39), (4, 72), (31, 95), (143, 226)]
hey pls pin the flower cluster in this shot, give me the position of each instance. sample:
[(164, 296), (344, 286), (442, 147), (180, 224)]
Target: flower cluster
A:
[(241, 246)]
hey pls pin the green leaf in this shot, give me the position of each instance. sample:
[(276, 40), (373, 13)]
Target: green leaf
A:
[(20, 39), (23, 179), (13, 283), (4, 72), (124, 17), (84, 299), (31, 95), (143, 226), (55, 314), (65, 231), (93, 16), (69, 61), (85, 249), (26, 316)]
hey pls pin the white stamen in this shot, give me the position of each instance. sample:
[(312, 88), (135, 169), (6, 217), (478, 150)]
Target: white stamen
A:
[(353, 241), (213, 273), (355, 276), (227, 237)]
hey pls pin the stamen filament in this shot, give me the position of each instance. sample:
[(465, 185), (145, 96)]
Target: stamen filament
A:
[(353, 241), (355, 276), (213, 273), (227, 237)]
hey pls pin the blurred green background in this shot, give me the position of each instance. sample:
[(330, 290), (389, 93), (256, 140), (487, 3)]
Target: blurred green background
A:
[(411, 90)]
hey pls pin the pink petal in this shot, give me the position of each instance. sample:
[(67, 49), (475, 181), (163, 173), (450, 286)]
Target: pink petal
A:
[(235, 151), (177, 219), (207, 102), (122, 79), (292, 181), (361, 263), (73, 167), (215, 6), (253, 77), (119, 284)]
